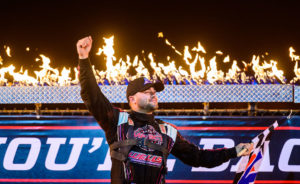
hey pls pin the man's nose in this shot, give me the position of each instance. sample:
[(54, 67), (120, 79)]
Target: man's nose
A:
[(153, 95)]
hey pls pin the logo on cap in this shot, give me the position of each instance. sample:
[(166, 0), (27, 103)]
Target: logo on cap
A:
[(146, 81)]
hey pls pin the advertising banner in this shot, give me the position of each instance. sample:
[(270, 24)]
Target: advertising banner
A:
[(73, 149)]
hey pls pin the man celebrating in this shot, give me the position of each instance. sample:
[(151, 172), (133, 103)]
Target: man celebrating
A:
[(139, 143)]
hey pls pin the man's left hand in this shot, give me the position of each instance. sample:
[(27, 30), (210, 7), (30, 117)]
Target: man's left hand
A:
[(244, 149)]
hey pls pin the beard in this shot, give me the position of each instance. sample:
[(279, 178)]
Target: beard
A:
[(148, 106), (151, 107)]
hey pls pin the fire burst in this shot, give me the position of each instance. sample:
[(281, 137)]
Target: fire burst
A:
[(117, 70)]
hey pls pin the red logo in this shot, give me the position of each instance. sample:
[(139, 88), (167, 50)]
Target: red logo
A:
[(145, 159), (148, 132)]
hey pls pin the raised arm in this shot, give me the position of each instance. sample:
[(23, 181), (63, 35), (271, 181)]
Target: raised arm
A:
[(91, 94), (192, 155)]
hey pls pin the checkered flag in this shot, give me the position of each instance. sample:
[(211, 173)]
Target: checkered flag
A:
[(249, 165)]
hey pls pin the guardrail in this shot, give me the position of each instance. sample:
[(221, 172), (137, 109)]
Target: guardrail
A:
[(171, 94)]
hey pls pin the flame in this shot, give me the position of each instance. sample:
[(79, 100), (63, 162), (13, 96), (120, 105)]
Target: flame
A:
[(262, 72), (197, 76), (112, 71), (260, 75), (4, 70), (226, 59), (135, 61), (292, 55), (295, 58), (160, 35), (266, 71), (276, 72), (21, 77), (233, 72), (27, 49), (156, 67), (47, 74), (7, 50), (142, 71), (192, 65), (173, 47), (192, 71), (219, 52), (213, 73), (200, 48), (109, 52), (76, 80), (1, 63), (203, 70), (297, 73), (64, 79)]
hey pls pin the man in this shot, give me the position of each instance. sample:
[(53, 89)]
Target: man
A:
[(139, 143)]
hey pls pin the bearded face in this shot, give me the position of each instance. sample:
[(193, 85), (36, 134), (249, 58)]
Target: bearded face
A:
[(146, 101)]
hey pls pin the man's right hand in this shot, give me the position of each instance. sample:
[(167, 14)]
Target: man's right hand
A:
[(84, 46)]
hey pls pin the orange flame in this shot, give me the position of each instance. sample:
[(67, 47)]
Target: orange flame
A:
[(292, 55), (213, 73), (233, 72), (295, 58), (200, 48), (226, 59), (1, 63), (7, 50), (161, 35), (117, 70)]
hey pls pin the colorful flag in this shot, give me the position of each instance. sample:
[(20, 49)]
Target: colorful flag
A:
[(249, 165)]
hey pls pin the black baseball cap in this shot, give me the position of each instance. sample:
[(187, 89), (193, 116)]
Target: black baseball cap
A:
[(142, 84)]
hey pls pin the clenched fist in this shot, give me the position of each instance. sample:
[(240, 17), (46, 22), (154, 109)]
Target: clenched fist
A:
[(84, 46)]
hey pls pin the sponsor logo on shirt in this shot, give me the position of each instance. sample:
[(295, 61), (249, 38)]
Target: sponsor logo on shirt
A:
[(148, 132), (145, 159)]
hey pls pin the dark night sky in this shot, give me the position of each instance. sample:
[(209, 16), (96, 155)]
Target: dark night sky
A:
[(238, 28)]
